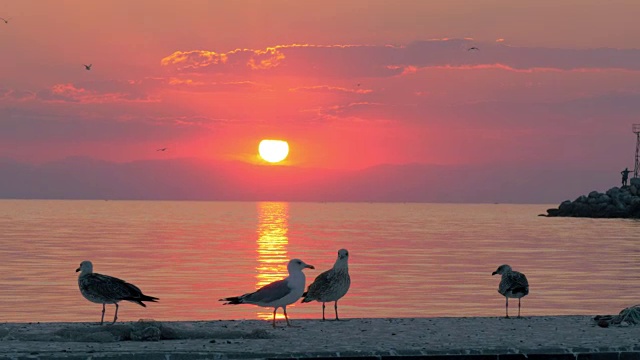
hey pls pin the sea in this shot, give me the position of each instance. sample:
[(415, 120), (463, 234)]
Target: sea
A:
[(406, 259)]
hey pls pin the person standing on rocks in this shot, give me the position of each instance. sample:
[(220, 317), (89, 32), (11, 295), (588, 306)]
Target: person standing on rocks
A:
[(625, 176)]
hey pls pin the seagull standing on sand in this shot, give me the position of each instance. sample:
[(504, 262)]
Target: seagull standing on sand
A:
[(332, 284), (87, 67), (513, 285), (105, 289), (277, 294)]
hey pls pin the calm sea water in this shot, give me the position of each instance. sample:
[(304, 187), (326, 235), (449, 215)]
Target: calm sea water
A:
[(406, 260)]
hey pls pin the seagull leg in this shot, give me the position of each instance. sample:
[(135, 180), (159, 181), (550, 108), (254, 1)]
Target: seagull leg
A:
[(507, 307), (274, 317), (102, 318), (285, 315), (335, 306), (519, 307), (115, 317), (322, 311)]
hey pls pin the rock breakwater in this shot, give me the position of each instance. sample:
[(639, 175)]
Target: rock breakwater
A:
[(617, 202)]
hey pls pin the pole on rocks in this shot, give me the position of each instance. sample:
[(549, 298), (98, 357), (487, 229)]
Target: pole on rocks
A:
[(636, 130)]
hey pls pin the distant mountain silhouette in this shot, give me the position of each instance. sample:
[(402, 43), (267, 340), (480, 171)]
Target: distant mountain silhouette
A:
[(195, 179)]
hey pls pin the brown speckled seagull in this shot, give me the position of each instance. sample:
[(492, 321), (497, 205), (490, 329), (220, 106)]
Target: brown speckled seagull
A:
[(332, 284), (105, 289), (513, 285)]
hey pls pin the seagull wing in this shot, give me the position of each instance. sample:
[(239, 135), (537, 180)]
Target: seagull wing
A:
[(110, 287), (269, 293), (516, 282), (320, 284)]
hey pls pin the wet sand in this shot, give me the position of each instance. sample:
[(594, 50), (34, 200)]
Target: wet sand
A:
[(253, 339)]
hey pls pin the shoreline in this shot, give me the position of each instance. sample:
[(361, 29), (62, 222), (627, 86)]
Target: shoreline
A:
[(364, 337)]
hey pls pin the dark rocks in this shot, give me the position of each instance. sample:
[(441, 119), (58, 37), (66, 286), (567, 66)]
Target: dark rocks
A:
[(617, 202)]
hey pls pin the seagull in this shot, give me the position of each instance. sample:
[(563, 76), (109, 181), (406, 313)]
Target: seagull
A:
[(87, 67), (473, 48), (332, 284), (162, 149), (277, 294), (6, 21), (105, 289), (513, 285)]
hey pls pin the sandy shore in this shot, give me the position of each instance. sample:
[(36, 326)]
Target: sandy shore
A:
[(251, 339)]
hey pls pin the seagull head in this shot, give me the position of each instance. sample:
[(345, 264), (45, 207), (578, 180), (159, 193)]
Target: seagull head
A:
[(298, 265), (85, 267), (343, 254), (502, 269)]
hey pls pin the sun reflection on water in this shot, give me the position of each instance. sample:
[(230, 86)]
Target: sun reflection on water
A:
[(272, 247)]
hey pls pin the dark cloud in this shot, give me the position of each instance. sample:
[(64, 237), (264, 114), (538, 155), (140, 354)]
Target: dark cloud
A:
[(34, 126), (85, 178)]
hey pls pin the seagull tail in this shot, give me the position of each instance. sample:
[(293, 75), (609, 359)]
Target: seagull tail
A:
[(139, 300), (148, 298), (234, 300)]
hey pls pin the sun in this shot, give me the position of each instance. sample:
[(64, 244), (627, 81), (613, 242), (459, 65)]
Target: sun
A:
[(273, 151)]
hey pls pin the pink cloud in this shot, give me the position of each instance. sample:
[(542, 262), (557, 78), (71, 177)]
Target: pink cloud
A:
[(194, 58), (328, 88), (93, 92), (16, 95), (201, 85), (389, 60)]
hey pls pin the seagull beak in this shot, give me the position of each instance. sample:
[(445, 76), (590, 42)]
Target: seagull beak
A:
[(309, 266), (78, 269), (493, 273)]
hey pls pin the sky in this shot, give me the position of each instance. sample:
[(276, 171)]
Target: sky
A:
[(349, 84)]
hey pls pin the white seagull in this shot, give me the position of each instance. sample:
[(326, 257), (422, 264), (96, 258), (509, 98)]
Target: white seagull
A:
[(277, 294), (105, 289), (513, 285), (332, 284)]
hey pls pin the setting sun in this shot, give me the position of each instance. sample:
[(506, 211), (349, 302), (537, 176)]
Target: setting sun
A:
[(273, 151)]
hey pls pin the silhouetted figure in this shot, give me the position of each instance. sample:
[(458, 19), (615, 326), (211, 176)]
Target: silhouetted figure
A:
[(162, 149), (6, 21), (473, 48), (625, 176), (87, 67)]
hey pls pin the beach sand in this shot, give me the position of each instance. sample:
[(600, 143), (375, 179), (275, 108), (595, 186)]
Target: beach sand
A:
[(253, 339)]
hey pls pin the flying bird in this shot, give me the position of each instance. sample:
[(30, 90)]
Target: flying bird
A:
[(162, 149), (6, 21), (277, 294), (105, 289), (473, 48), (88, 67), (512, 285), (332, 284)]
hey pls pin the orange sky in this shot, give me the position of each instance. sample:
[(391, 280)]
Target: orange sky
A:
[(553, 82)]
